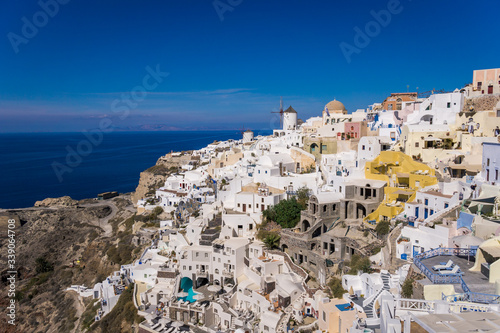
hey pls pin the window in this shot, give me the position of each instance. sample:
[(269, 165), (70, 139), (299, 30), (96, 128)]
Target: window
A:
[(324, 207), (361, 191), (479, 84), (393, 135), (363, 147), (416, 144), (238, 205), (340, 162), (324, 316), (374, 193), (496, 174), (197, 254), (446, 205), (334, 207), (324, 147), (426, 202), (448, 105), (487, 162)]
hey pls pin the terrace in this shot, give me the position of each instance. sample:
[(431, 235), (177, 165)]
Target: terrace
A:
[(474, 286)]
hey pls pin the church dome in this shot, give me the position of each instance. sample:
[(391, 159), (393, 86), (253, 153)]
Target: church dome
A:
[(336, 106)]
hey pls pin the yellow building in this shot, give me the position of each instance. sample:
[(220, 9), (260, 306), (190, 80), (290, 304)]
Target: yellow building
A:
[(404, 177)]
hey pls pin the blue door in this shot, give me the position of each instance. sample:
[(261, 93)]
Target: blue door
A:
[(416, 250), (416, 212), (426, 213)]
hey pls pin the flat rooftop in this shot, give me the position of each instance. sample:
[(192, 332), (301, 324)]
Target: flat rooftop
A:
[(476, 281), (460, 322)]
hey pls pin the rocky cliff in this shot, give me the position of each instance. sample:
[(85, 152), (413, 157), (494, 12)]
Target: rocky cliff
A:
[(154, 177), (50, 239)]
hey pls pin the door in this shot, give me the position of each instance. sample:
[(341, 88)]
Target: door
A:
[(426, 213), (416, 212), (416, 250), (244, 208), (490, 90)]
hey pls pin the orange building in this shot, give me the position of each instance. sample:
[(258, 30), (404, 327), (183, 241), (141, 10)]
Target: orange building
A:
[(395, 101)]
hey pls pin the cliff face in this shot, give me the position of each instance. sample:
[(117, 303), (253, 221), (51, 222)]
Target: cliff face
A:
[(154, 177), (148, 182), (49, 241)]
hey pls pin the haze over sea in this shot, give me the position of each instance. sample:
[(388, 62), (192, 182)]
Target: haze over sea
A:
[(26, 161)]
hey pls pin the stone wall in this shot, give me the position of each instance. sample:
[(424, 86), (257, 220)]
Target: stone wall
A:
[(481, 103)]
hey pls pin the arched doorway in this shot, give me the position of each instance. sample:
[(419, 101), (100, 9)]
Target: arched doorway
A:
[(360, 211), (305, 225)]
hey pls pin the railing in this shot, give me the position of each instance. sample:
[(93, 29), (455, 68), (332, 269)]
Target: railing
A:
[(227, 273), (415, 305), (430, 306), (472, 297), (201, 273), (438, 278)]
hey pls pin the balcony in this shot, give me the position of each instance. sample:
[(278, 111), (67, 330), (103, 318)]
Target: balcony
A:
[(203, 274), (227, 273)]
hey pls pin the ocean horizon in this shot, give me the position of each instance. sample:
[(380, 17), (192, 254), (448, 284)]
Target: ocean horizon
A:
[(35, 166)]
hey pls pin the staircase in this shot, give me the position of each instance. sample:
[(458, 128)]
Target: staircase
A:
[(368, 308), (395, 262)]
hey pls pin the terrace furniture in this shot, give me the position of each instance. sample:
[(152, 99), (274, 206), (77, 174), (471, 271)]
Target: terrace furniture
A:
[(455, 270), (448, 265)]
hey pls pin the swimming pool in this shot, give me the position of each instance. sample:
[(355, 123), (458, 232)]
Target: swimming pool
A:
[(344, 307), (187, 286)]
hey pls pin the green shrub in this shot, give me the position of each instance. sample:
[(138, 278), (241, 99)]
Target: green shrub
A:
[(286, 213), (383, 228), (43, 265), (359, 263), (335, 285), (407, 289)]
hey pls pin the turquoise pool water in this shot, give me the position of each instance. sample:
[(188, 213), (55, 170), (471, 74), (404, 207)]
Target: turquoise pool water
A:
[(343, 307), (187, 286)]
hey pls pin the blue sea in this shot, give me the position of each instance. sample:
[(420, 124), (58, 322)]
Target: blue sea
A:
[(35, 166)]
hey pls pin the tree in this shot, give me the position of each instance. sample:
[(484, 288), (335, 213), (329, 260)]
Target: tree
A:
[(272, 240), (407, 289), (335, 285), (303, 197), (359, 263), (286, 213), (383, 228)]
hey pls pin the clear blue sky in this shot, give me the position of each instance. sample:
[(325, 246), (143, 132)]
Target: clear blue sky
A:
[(230, 73)]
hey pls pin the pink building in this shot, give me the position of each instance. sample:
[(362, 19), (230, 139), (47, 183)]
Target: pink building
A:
[(355, 130)]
